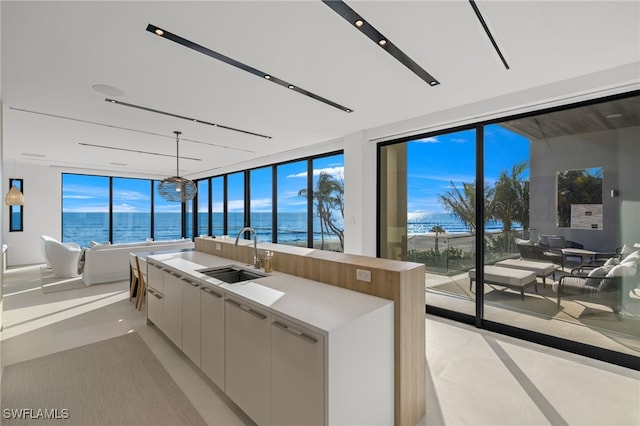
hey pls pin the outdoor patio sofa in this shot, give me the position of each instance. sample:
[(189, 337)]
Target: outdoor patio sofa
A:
[(548, 248)]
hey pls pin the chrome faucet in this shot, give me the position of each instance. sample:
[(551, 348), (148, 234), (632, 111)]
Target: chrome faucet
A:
[(256, 258)]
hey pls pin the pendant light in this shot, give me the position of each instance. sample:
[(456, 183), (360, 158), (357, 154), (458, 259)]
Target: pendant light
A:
[(176, 188), (14, 197)]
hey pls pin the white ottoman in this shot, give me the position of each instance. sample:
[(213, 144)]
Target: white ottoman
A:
[(508, 277), (542, 269)]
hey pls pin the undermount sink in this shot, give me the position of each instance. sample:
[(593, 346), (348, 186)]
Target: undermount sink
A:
[(231, 274)]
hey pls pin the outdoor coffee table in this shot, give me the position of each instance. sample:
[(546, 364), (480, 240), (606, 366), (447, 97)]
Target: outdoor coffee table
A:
[(541, 269), (517, 279), (583, 254)]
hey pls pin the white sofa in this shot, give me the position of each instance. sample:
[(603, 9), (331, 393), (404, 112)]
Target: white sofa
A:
[(110, 262)]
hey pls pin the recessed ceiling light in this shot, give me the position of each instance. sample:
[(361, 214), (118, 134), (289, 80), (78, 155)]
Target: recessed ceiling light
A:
[(107, 90), (159, 32), (244, 67), (29, 154), (614, 115), (354, 18), (118, 164)]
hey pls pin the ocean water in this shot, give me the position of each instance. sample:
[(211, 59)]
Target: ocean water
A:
[(421, 223), (83, 228)]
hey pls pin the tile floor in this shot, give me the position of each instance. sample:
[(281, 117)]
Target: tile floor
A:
[(474, 377)]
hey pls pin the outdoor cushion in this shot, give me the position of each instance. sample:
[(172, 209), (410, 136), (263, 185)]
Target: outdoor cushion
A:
[(599, 272), (523, 242), (612, 261), (623, 270), (633, 257)]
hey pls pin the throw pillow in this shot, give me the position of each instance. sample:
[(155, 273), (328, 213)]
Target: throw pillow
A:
[(596, 273), (626, 250), (623, 270), (612, 261), (521, 242), (97, 246), (633, 257), (610, 283)]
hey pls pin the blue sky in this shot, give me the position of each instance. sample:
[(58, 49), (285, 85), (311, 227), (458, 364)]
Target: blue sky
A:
[(433, 162), (83, 193), (436, 161)]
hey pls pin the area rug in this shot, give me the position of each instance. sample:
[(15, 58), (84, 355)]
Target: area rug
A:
[(113, 382)]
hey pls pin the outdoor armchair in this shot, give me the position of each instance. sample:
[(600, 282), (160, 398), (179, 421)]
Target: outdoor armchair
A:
[(604, 284)]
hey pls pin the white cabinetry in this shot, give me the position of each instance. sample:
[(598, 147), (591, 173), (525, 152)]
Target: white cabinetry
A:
[(248, 359), (155, 298), (191, 319), (173, 308), (212, 335), (297, 374)]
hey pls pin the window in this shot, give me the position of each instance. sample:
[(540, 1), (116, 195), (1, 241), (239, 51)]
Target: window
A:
[(85, 209), (261, 203), (217, 206), (235, 203), (131, 206), (278, 207), (167, 217), (559, 190), (203, 218), (16, 212), (328, 203), (428, 212), (292, 204)]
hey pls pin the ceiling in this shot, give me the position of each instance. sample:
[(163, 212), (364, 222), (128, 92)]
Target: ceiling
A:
[(53, 53), (604, 116)]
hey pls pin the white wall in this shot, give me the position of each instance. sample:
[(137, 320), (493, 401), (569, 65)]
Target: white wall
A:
[(360, 196), (42, 211), (611, 150)]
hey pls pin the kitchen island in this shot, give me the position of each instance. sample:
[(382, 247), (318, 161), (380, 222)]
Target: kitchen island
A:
[(285, 349)]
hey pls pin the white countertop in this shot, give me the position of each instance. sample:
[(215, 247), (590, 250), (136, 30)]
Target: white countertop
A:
[(320, 306)]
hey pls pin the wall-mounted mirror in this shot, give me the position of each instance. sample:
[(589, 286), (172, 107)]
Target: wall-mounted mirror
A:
[(580, 198)]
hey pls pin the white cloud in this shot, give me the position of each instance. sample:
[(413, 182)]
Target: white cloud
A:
[(337, 171), (431, 139)]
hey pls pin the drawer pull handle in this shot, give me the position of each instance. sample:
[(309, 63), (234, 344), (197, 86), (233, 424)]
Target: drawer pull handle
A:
[(246, 309), (293, 331), (211, 292), (154, 294), (194, 284)]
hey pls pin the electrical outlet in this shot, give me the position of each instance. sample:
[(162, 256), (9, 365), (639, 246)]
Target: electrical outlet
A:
[(218, 246), (363, 275)]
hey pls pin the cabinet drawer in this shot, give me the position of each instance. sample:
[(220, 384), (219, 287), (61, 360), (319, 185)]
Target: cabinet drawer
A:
[(155, 307), (297, 374), (248, 359), (212, 331), (155, 277)]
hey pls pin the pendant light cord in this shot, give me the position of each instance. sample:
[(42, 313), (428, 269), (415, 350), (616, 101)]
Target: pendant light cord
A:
[(178, 133)]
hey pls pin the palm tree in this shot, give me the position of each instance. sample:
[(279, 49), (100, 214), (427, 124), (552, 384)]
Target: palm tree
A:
[(437, 229), (463, 203), (328, 197), (510, 201)]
